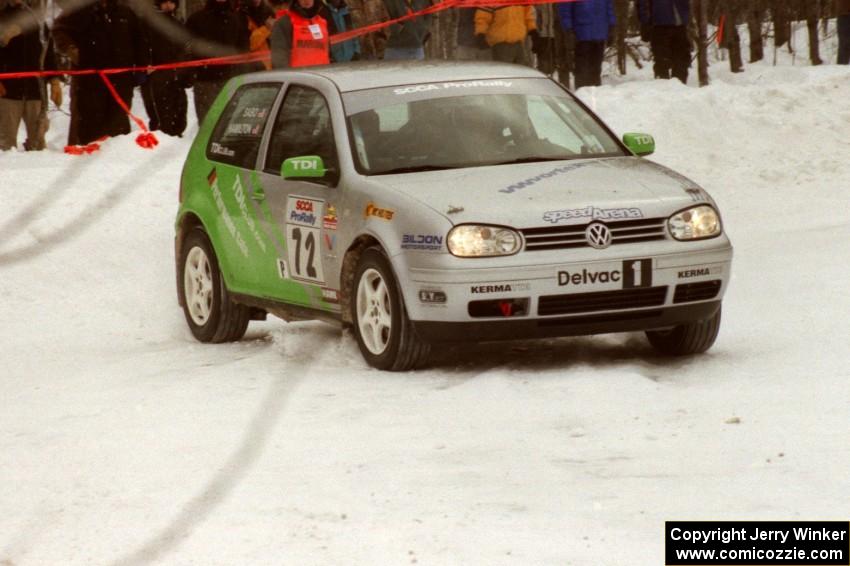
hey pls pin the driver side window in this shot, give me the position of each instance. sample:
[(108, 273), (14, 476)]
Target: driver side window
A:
[(303, 127)]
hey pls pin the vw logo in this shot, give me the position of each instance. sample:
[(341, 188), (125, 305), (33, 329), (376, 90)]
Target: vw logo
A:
[(598, 235)]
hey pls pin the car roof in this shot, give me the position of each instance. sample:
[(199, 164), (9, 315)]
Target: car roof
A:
[(377, 74)]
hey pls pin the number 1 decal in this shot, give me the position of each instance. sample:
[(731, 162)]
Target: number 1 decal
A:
[(637, 273)]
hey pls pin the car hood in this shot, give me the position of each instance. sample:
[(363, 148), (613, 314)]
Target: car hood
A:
[(552, 192)]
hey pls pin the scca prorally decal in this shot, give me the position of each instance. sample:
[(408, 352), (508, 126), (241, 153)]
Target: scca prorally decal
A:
[(421, 242), (555, 216), (303, 211), (447, 86), (542, 177)]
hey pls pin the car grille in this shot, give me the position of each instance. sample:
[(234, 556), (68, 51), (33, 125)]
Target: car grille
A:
[(602, 301), (701, 291), (622, 232)]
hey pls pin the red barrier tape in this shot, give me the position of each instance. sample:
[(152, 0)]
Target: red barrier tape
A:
[(148, 140)]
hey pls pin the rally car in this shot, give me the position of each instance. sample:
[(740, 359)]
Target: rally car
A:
[(429, 202)]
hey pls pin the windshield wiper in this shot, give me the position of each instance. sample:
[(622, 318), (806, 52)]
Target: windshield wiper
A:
[(417, 169), (536, 158)]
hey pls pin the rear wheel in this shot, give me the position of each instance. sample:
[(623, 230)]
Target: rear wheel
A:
[(210, 313), (685, 339), (384, 334)]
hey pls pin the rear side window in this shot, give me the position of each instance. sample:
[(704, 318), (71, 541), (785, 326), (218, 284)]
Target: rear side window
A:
[(236, 138)]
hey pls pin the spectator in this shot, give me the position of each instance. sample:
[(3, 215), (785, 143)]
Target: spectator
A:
[(338, 16), (260, 18), (24, 46), (504, 30), (217, 30), (163, 92), (592, 22), (544, 48), (365, 12), (665, 24), (842, 8), (468, 48), (103, 35), (300, 36), (407, 39)]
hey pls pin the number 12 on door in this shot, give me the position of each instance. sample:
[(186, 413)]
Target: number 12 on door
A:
[(303, 250)]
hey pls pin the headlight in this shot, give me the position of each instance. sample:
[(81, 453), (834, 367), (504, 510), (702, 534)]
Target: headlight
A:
[(468, 240), (695, 223)]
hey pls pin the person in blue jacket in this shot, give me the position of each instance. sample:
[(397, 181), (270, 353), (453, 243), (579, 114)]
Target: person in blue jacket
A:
[(592, 22), (665, 24)]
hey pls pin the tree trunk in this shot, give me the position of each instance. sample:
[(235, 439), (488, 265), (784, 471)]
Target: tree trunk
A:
[(621, 8), (812, 13), (755, 18), (781, 23), (702, 46)]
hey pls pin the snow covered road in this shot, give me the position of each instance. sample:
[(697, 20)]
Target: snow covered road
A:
[(123, 441)]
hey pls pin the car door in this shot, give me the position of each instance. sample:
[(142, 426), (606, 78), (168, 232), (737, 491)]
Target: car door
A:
[(233, 150), (302, 212)]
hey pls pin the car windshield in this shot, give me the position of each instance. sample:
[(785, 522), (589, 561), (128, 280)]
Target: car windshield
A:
[(409, 131)]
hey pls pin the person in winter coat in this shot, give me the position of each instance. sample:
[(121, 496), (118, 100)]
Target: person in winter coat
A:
[(25, 45), (163, 90), (300, 36), (842, 8), (505, 29), (468, 49), (217, 30), (338, 16), (407, 39), (665, 24), (260, 18), (103, 35), (592, 22)]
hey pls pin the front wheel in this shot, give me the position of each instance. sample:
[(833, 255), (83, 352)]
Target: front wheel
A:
[(210, 313), (384, 334), (685, 339)]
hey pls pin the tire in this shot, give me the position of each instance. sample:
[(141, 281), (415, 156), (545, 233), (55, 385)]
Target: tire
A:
[(686, 339), (210, 313), (384, 334)]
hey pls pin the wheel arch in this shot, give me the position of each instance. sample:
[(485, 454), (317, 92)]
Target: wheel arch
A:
[(188, 222), (349, 265)]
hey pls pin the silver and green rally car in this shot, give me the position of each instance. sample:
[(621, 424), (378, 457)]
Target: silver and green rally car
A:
[(433, 202)]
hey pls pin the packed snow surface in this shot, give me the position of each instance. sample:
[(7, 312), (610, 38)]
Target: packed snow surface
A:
[(124, 441)]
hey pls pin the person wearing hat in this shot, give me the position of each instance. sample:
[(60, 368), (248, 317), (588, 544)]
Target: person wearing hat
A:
[(163, 89), (300, 36)]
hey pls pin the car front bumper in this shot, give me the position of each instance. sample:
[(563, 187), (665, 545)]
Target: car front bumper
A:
[(591, 295)]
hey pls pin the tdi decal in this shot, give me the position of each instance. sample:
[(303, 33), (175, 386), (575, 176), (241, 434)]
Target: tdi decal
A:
[(555, 216), (421, 242)]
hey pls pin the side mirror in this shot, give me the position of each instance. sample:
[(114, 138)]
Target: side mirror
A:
[(309, 166), (639, 144)]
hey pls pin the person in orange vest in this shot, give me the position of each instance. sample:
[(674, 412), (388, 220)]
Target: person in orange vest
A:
[(300, 36)]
